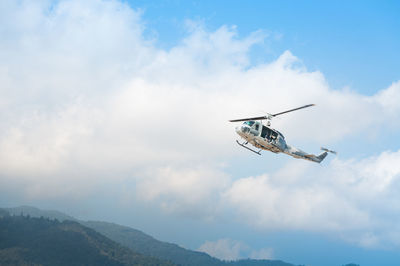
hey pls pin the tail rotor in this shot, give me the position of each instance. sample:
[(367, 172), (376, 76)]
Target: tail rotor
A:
[(325, 149)]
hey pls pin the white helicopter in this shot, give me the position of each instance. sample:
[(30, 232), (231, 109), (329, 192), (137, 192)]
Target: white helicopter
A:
[(264, 137)]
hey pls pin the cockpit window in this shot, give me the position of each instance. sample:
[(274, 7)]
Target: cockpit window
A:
[(245, 129), (249, 123)]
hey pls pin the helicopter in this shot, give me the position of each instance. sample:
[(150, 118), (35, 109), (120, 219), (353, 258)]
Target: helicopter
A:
[(263, 137)]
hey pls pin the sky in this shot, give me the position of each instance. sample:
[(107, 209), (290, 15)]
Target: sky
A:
[(118, 111)]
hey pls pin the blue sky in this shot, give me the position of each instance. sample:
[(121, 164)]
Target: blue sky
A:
[(118, 111), (346, 40)]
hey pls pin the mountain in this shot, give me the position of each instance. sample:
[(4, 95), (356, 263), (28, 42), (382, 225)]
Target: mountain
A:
[(35, 212), (142, 243), (250, 262), (41, 241), (145, 244)]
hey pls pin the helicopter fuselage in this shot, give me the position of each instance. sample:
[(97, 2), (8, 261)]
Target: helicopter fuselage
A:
[(261, 136), (266, 138)]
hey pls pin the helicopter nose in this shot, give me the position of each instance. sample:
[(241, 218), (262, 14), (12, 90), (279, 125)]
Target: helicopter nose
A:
[(239, 130)]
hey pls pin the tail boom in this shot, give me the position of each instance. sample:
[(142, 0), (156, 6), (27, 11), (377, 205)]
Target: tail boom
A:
[(296, 153)]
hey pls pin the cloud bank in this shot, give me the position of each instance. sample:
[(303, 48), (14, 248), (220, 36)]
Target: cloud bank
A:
[(88, 101), (229, 250)]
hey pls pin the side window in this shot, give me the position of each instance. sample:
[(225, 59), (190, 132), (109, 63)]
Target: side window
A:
[(257, 127), (264, 132)]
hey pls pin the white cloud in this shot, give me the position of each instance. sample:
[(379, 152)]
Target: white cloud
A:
[(355, 199), (229, 249), (272, 206), (87, 100), (224, 249), (262, 254), (191, 191), (389, 99)]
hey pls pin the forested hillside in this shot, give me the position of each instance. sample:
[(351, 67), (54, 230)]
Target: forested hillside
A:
[(145, 244), (25, 240), (142, 243)]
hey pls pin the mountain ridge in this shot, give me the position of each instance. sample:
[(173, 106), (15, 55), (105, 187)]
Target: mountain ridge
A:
[(29, 240), (145, 244)]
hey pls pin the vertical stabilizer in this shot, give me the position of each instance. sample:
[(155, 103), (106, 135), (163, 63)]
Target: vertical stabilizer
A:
[(321, 157)]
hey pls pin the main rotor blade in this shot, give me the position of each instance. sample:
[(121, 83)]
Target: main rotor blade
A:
[(271, 115), (291, 110), (248, 119)]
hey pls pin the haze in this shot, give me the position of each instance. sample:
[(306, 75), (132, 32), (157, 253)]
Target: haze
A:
[(118, 111)]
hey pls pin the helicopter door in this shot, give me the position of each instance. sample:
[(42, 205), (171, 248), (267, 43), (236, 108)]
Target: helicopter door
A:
[(265, 132)]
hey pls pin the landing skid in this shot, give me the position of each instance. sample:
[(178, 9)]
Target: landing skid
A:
[(244, 146)]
